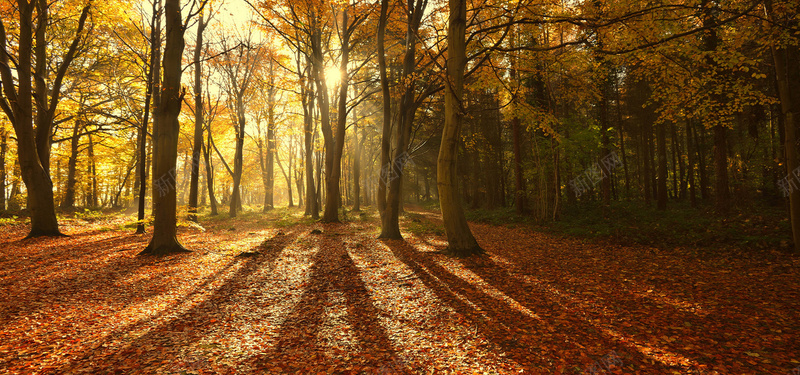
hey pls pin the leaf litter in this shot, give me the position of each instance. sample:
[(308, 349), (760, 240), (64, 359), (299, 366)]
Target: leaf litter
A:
[(331, 298)]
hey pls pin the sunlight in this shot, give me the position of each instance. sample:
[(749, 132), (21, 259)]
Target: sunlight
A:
[(332, 76)]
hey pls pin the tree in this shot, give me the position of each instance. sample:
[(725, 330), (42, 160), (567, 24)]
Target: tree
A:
[(34, 145), (165, 222), (390, 225), (461, 242), (198, 120), (238, 66)]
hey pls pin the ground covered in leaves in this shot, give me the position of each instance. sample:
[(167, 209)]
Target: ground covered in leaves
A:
[(286, 295)]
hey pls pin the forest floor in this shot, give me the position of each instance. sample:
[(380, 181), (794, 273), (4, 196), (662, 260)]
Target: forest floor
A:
[(263, 294)]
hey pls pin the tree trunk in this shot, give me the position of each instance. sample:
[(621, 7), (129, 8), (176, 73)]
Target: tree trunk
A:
[(646, 164), (356, 165), (68, 201), (690, 166), (387, 105), (393, 178), (152, 91), (722, 194), (334, 140), (197, 145), (165, 239), (210, 175), (3, 151), (238, 159), (307, 96), (34, 174), (661, 140), (790, 104), (460, 238), (519, 178), (92, 174)]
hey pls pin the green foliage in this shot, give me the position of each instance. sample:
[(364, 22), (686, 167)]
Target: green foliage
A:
[(681, 225), (89, 215), (9, 221)]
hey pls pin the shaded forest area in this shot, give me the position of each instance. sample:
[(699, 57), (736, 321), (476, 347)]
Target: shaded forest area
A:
[(415, 186)]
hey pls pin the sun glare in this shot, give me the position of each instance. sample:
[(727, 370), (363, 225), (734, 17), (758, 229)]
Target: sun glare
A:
[(332, 76)]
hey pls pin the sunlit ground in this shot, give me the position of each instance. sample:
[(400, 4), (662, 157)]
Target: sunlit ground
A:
[(344, 302)]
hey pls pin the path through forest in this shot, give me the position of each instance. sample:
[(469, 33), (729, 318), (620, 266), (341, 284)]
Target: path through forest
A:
[(253, 297)]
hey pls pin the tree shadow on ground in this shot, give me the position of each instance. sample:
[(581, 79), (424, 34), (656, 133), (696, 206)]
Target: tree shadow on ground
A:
[(527, 324), (154, 343), (335, 326)]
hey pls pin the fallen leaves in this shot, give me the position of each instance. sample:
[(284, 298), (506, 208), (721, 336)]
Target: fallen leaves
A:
[(331, 298)]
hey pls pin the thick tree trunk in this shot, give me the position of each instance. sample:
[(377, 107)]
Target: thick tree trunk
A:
[(460, 238), (334, 140), (34, 174), (390, 225), (165, 239), (790, 104)]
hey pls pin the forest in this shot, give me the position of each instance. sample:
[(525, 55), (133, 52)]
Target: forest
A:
[(392, 187)]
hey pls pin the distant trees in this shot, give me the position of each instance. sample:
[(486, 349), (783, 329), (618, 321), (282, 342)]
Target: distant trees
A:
[(530, 104)]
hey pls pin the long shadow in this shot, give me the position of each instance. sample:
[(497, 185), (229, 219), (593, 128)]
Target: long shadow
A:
[(540, 339), (308, 342), (664, 331), (120, 353)]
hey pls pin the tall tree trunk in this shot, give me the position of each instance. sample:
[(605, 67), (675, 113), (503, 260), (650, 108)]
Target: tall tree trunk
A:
[(690, 166), (68, 201), (722, 195), (334, 140), (519, 178), (165, 239), (390, 225), (151, 92), (645, 147), (92, 169), (661, 140), (387, 104), (356, 165), (3, 174), (238, 158), (785, 57), (710, 43), (210, 175), (197, 145), (270, 162), (460, 238), (308, 142), (680, 187), (34, 174)]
